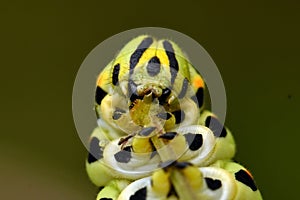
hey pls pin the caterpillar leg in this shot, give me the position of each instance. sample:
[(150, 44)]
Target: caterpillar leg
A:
[(201, 144), (225, 180), (156, 187), (99, 172), (108, 160)]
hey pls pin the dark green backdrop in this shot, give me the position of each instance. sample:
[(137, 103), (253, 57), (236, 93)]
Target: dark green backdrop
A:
[(255, 44)]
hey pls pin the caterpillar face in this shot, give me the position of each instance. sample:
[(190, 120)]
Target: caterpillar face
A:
[(149, 77)]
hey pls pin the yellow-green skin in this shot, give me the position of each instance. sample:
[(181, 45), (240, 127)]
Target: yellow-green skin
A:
[(131, 142)]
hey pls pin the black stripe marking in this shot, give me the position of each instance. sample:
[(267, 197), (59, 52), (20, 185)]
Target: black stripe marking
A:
[(164, 96), (100, 94), (217, 128), (194, 141), (168, 135), (153, 153), (115, 74), (179, 116), (132, 91), (141, 194), (245, 178), (137, 54), (106, 198), (118, 113), (199, 97), (124, 139), (124, 155), (184, 88), (96, 152), (153, 67), (172, 60), (172, 192), (131, 106), (147, 131), (182, 165), (213, 184)]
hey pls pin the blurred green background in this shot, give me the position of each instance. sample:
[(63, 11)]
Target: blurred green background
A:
[(255, 44)]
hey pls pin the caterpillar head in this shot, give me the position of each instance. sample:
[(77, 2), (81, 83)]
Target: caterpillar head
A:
[(140, 100)]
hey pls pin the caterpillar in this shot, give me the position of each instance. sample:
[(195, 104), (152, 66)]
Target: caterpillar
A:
[(153, 127)]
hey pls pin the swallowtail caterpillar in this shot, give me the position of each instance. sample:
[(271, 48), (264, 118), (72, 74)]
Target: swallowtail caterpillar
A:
[(149, 104)]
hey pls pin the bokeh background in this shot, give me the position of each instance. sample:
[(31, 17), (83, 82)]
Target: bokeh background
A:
[(255, 44)]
